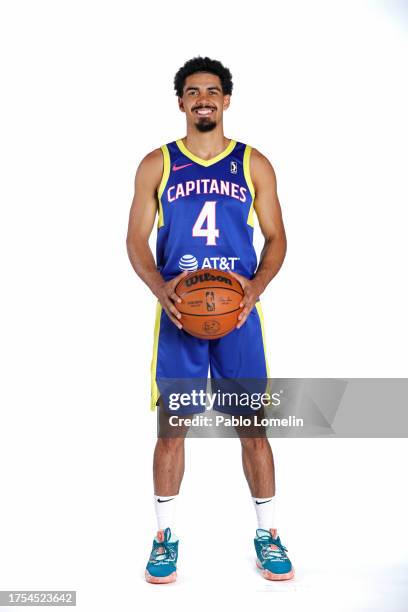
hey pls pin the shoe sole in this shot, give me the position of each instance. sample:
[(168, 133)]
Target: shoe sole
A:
[(160, 579), (271, 576)]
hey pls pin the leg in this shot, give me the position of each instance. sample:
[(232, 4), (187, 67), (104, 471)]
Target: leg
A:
[(259, 470), (237, 357), (168, 469), (176, 356), (168, 466), (168, 458)]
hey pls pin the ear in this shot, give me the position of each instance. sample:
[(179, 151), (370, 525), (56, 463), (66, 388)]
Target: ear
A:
[(181, 105), (227, 100)]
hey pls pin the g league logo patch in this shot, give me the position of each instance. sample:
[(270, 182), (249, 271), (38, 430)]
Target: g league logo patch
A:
[(234, 167)]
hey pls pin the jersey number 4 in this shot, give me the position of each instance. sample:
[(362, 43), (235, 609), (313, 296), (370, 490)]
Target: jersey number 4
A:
[(207, 217)]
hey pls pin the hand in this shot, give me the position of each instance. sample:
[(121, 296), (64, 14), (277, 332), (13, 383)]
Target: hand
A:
[(168, 297), (252, 291)]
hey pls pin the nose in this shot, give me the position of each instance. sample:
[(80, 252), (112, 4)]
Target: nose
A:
[(203, 100), (203, 103)]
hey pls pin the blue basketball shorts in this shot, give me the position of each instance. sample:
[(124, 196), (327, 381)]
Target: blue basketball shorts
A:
[(178, 355)]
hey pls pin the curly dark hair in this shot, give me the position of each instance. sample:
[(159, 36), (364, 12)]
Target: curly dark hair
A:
[(203, 64)]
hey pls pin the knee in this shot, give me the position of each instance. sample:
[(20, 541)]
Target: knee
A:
[(170, 445), (254, 444)]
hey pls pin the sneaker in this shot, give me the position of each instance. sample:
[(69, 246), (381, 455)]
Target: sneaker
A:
[(161, 567), (271, 556)]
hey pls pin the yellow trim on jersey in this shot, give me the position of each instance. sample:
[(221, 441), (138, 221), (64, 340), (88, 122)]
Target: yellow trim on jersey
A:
[(155, 393), (261, 318), (163, 183), (205, 162), (247, 175)]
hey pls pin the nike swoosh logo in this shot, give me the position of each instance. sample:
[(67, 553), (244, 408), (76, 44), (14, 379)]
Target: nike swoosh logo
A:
[(163, 501), (180, 167), (265, 502)]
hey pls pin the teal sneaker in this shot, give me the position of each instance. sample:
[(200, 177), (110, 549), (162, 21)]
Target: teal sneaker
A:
[(271, 556), (161, 567)]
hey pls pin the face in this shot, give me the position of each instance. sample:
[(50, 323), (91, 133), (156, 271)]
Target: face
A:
[(203, 101)]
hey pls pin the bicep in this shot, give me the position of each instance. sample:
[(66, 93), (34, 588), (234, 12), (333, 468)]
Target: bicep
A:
[(145, 204), (266, 204)]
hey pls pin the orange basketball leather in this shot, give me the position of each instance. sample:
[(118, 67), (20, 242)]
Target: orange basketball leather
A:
[(210, 303)]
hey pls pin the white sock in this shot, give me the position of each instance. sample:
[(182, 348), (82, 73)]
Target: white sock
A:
[(165, 511), (265, 512)]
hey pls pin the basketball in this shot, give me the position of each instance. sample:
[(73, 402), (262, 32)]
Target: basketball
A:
[(210, 303)]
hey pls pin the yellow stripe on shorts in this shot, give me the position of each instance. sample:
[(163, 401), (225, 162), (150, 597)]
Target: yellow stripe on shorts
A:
[(268, 388), (261, 318), (155, 393)]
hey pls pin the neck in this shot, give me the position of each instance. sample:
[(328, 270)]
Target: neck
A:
[(206, 144)]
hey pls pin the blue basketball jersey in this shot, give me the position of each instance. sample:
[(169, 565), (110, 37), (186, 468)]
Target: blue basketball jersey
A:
[(205, 211)]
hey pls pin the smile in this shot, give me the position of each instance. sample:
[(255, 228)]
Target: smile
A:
[(204, 112)]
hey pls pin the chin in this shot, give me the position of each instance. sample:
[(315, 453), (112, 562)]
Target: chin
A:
[(206, 126)]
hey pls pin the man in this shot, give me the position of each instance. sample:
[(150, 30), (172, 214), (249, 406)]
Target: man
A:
[(203, 188)]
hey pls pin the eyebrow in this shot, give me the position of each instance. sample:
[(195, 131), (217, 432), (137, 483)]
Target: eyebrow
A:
[(197, 88)]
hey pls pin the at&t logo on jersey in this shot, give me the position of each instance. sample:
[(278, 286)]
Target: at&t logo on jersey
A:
[(190, 263)]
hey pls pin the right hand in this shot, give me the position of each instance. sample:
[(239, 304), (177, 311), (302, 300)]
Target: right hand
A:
[(168, 298)]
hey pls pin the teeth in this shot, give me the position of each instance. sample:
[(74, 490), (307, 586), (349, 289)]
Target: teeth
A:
[(204, 111)]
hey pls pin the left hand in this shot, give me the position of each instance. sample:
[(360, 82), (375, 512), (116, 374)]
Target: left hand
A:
[(252, 291)]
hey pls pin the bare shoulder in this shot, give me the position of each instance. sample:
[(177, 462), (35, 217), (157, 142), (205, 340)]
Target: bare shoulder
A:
[(151, 167), (260, 166)]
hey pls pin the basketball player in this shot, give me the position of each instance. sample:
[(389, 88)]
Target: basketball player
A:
[(205, 189)]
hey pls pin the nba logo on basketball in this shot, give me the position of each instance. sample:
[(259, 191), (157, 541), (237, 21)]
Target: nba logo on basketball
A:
[(234, 167), (209, 297)]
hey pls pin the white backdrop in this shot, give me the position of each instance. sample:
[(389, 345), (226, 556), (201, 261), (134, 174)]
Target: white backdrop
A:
[(320, 89)]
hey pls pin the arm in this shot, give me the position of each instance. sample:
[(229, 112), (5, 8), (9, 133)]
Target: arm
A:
[(268, 210), (141, 220)]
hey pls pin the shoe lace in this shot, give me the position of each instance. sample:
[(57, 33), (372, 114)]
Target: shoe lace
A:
[(272, 549), (163, 552)]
